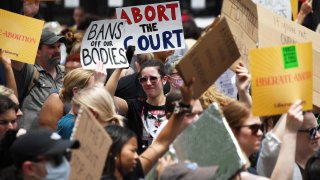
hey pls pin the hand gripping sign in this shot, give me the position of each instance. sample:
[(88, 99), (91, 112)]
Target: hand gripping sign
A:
[(154, 27), (103, 44)]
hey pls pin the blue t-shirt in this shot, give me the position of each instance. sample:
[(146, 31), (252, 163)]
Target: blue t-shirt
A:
[(65, 126)]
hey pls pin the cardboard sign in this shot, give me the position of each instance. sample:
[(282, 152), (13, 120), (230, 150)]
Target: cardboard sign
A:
[(102, 44), (242, 19), (280, 76), (214, 52), (281, 7), (214, 142), (285, 31), (19, 36), (153, 27), (88, 161)]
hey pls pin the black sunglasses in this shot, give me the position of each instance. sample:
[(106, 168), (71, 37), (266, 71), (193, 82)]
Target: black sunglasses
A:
[(4, 122), (153, 79), (312, 131), (254, 128)]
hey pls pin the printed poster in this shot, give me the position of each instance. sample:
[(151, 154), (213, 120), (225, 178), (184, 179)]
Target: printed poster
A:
[(280, 76)]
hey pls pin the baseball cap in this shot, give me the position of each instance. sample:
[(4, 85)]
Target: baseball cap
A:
[(49, 37), (188, 171), (39, 142)]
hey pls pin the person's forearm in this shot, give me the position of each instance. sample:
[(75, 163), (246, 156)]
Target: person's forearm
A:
[(112, 83), (245, 97), (286, 159), (11, 81)]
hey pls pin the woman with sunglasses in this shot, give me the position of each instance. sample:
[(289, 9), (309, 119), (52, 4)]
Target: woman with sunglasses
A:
[(144, 116), (123, 161), (248, 132), (246, 128), (307, 146)]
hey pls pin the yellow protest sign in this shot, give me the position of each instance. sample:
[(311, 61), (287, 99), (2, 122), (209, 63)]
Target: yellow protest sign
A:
[(280, 76), (294, 8), (19, 36)]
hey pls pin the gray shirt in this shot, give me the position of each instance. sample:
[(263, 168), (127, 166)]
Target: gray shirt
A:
[(34, 100)]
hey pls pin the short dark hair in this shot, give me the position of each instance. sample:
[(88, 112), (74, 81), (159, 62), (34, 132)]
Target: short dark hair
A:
[(312, 170), (6, 103), (120, 136), (154, 63)]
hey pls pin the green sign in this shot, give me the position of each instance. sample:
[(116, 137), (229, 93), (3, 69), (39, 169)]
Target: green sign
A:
[(290, 58)]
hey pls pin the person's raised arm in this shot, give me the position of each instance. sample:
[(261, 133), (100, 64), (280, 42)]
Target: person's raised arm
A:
[(306, 8), (243, 82), (286, 159), (11, 81), (176, 124), (112, 84)]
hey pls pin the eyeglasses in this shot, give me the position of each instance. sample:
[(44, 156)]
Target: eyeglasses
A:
[(153, 79), (254, 128), (5, 122), (312, 131)]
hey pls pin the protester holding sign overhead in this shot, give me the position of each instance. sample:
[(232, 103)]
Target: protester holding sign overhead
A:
[(144, 116), (123, 161)]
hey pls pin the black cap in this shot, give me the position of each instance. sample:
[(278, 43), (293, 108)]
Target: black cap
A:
[(48, 38), (39, 142)]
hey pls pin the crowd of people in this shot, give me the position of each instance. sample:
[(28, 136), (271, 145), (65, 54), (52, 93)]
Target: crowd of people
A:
[(142, 108)]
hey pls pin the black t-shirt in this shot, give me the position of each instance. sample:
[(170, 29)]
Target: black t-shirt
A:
[(144, 119), (136, 174)]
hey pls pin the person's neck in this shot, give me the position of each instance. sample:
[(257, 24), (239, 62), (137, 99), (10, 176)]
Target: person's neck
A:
[(118, 175), (301, 159), (49, 69), (157, 101)]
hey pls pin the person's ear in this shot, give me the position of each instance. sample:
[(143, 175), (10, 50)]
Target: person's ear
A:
[(28, 168), (164, 79), (75, 90)]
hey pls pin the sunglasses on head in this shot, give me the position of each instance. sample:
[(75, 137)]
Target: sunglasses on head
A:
[(153, 79), (254, 128), (311, 131), (5, 122)]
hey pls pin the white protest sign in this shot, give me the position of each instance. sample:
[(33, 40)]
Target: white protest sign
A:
[(154, 27), (281, 7), (88, 161), (102, 45)]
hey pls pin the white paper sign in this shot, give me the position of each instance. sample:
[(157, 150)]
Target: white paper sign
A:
[(226, 83), (281, 7), (102, 46), (154, 27), (71, 3), (115, 3)]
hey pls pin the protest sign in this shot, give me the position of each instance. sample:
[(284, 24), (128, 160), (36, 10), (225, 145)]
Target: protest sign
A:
[(294, 8), (242, 19), (103, 44), (280, 76), (214, 143), (287, 32), (88, 161), (280, 7), (213, 53), (226, 83), (153, 27), (19, 36)]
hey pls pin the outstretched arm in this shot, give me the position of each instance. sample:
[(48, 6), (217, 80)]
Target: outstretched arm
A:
[(243, 82), (176, 124), (306, 8), (286, 159), (11, 81)]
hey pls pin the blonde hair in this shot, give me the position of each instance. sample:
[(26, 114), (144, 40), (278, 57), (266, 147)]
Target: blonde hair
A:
[(99, 100), (5, 91), (214, 95), (76, 78)]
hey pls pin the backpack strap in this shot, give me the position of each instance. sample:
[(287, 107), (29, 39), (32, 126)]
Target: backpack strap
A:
[(34, 79)]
